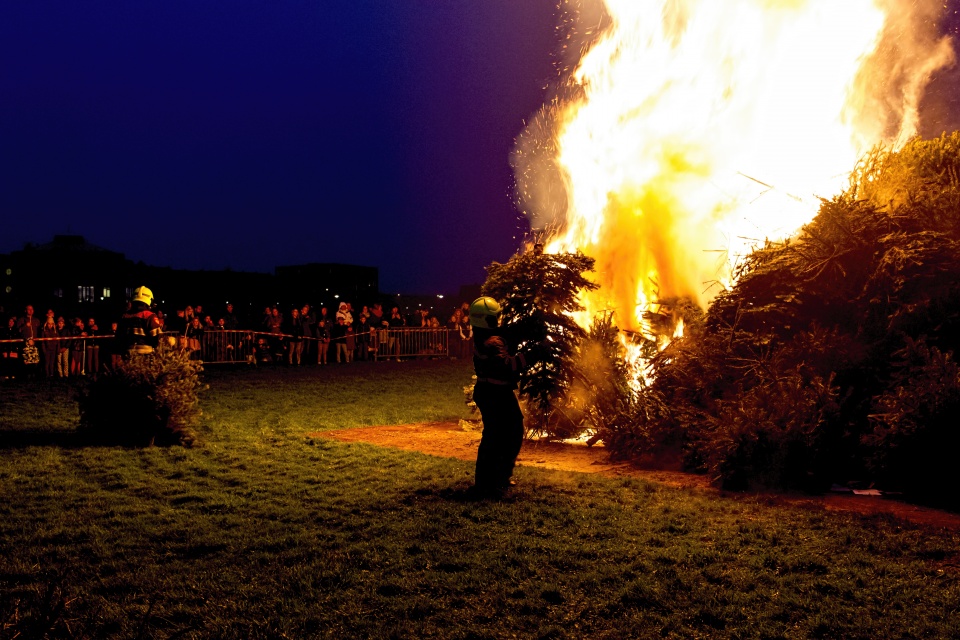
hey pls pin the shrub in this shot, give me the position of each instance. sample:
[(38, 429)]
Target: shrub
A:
[(147, 400), (915, 436)]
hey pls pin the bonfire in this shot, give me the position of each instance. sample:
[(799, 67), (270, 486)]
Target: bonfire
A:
[(693, 156)]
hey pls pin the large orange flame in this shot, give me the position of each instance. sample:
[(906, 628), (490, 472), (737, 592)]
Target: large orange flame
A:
[(702, 127)]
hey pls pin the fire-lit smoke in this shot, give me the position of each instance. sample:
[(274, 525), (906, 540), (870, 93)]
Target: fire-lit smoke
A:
[(690, 130)]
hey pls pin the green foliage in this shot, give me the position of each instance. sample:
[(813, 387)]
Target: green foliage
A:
[(539, 293), (748, 411), (603, 378), (915, 436), (603, 396), (777, 386), (771, 435), (148, 399)]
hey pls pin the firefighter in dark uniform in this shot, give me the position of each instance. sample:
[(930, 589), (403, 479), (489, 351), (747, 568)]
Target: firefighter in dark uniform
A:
[(495, 394), (138, 331)]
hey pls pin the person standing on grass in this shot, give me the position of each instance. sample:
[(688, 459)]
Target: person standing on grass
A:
[(50, 343), (230, 321), (495, 394), (77, 347), (453, 341), (323, 340), (64, 347), (275, 328), (465, 335), (31, 359), (93, 349), (138, 332), (195, 339), (29, 325), (223, 348), (188, 315), (176, 323), (363, 336), (350, 337), (294, 329), (10, 353), (338, 336), (325, 316), (343, 311), (308, 320), (114, 347), (395, 322), (376, 315)]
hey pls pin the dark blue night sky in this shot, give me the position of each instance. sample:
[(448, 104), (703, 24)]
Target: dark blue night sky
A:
[(202, 134), (211, 134)]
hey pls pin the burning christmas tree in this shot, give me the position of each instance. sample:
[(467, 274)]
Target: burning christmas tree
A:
[(691, 142)]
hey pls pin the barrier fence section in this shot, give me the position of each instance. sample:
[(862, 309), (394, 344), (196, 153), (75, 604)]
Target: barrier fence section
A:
[(83, 354), (239, 346), (231, 346)]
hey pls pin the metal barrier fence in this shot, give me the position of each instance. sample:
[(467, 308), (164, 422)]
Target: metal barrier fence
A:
[(233, 346), (83, 354), (230, 346)]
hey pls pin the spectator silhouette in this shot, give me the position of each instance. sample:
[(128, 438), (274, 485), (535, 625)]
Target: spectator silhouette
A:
[(29, 325), (230, 321)]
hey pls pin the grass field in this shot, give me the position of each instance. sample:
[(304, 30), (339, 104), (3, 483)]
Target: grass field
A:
[(262, 532)]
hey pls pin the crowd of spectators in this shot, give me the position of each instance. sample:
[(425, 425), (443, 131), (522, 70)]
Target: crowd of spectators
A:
[(54, 347), (57, 347)]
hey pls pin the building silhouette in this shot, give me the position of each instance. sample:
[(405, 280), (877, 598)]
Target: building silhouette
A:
[(76, 278)]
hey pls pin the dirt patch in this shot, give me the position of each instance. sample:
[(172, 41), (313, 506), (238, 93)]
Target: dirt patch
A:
[(450, 440)]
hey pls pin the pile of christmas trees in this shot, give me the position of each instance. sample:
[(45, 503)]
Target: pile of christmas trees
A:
[(831, 359)]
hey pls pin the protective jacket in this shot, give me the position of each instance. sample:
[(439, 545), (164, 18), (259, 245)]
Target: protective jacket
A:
[(494, 364), (139, 330)]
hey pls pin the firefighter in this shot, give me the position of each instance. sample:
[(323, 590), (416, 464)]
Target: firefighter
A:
[(139, 328), (495, 394)]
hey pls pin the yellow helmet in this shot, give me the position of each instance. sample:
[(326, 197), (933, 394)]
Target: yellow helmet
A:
[(485, 313), (144, 295)]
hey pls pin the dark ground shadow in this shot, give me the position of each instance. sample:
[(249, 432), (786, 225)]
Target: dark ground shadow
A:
[(22, 438)]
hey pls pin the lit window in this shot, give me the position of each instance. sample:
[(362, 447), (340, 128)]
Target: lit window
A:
[(106, 292), (85, 294), (9, 272)]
